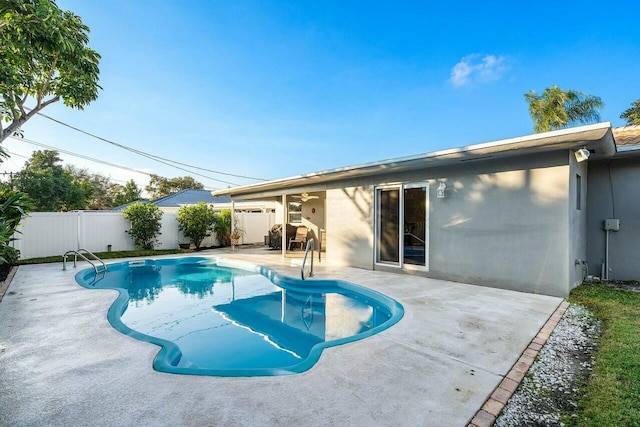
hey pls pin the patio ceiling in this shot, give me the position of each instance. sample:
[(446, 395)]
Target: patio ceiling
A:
[(598, 138)]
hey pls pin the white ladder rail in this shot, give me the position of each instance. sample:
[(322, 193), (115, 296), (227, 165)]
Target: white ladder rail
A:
[(79, 253), (310, 246)]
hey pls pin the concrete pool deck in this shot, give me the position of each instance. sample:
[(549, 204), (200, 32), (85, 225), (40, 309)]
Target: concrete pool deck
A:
[(61, 363)]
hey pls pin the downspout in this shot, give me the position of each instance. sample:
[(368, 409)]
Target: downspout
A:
[(606, 256)]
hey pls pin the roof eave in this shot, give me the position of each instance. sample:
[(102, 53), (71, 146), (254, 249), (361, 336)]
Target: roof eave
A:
[(596, 137)]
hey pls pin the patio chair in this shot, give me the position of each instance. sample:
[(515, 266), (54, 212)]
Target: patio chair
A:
[(275, 237), (300, 237)]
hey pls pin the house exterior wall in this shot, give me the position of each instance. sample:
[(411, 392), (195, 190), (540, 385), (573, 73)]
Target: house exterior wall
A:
[(313, 217), (280, 212), (577, 211), (614, 193), (503, 223)]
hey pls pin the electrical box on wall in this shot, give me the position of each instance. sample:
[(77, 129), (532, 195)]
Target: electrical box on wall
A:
[(611, 225)]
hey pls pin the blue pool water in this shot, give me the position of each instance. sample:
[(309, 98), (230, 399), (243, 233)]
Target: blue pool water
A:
[(226, 318)]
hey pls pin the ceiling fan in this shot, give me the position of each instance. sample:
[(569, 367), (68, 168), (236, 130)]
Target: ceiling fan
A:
[(305, 196)]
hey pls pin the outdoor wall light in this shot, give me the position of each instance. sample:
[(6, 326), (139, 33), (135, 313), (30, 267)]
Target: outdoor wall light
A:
[(582, 154), (440, 192)]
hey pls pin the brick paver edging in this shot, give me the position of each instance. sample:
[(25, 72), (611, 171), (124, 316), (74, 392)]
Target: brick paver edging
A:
[(7, 281), (489, 412)]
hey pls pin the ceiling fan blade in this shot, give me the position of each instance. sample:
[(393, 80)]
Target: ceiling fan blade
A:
[(304, 197)]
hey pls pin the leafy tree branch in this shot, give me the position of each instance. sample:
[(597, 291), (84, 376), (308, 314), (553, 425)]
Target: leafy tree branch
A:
[(44, 56), (160, 186)]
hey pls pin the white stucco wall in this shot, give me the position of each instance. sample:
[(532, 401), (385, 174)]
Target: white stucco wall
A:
[(313, 217), (577, 222), (503, 223), (503, 228), (280, 219), (614, 193)]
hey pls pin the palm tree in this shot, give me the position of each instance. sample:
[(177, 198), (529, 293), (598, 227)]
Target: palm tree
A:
[(557, 108), (632, 115)]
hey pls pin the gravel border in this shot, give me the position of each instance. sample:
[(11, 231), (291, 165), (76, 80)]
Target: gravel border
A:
[(548, 392), (493, 406)]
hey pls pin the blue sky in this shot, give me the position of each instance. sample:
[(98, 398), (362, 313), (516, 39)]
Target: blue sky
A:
[(274, 88)]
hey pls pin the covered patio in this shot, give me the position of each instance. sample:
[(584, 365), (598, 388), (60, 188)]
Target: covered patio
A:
[(300, 217)]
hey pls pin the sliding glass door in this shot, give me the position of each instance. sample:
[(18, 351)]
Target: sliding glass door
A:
[(389, 225), (402, 226), (415, 220)]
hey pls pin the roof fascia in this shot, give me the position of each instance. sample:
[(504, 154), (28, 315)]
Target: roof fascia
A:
[(592, 136)]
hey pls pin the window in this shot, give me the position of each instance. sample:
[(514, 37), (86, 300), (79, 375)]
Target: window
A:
[(578, 192), (295, 213)]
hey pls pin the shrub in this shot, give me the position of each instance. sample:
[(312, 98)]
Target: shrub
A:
[(14, 205), (222, 227), (145, 224), (196, 222)]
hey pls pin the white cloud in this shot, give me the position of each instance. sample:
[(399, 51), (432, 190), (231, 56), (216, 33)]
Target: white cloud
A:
[(478, 69)]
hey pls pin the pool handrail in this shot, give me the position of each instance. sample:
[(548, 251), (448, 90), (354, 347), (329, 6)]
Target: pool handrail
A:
[(78, 253), (310, 245)]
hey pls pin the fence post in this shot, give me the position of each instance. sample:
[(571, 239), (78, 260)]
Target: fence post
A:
[(80, 229)]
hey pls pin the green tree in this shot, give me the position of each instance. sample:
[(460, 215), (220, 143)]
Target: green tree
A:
[(160, 186), (222, 227), (145, 224), (127, 194), (49, 185), (196, 222), (99, 191), (44, 57), (13, 207), (632, 115), (557, 108)]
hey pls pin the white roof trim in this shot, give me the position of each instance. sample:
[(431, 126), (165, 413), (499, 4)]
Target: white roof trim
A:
[(557, 139)]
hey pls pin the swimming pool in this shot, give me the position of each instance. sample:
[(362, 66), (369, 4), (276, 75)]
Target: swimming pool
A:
[(230, 318)]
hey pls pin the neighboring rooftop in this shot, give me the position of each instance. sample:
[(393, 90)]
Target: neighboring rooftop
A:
[(184, 197), (189, 197), (627, 135)]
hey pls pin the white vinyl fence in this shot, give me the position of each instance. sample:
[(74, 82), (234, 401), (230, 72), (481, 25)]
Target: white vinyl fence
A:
[(54, 233)]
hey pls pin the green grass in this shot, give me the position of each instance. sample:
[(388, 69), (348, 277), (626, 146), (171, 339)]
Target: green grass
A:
[(611, 396), (108, 255)]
